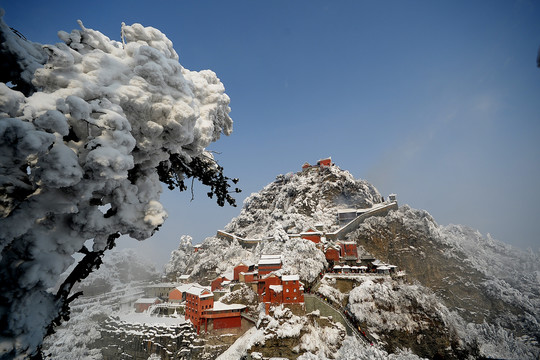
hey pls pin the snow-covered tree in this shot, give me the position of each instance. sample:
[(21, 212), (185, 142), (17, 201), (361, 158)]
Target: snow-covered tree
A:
[(89, 128)]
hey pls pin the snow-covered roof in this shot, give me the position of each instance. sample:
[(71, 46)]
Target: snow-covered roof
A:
[(219, 306), (346, 267), (270, 261), (183, 288), (337, 267), (290, 277), (249, 273), (346, 211), (275, 273), (228, 274), (383, 267), (276, 288), (183, 277), (347, 242), (320, 233), (160, 285), (246, 263), (197, 291), (271, 256), (146, 300)]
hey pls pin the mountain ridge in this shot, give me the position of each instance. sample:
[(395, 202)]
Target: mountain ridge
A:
[(493, 310)]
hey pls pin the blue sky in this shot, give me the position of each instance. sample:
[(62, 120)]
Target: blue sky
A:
[(437, 101)]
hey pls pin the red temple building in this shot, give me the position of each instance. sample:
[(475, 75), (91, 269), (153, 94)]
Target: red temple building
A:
[(349, 250), (198, 299), (207, 314), (269, 263), (223, 316), (332, 253), (248, 277), (325, 162), (312, 235), (244, 266), (274, 289), (293, 289), (218, 282)]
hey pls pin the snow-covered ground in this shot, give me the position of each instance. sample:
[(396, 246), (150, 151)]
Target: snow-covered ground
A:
[(133, 317)]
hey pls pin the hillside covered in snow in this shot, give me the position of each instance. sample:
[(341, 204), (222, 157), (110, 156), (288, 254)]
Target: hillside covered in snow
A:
[(465, 294), (291, 204)]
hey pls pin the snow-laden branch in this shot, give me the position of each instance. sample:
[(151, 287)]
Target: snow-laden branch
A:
[(89, 133)]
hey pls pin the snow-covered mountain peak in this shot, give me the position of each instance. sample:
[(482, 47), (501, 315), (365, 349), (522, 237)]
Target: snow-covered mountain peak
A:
[(297, 201)]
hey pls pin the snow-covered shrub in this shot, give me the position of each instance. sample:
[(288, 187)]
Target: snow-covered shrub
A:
[(385, 305), (327, 289), (180, 257), (302, 257)]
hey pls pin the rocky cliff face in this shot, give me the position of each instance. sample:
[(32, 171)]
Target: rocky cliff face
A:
[(491, 286)]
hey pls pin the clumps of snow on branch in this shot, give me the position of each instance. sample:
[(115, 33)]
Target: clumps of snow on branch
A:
[(26, 55), (107, 113)]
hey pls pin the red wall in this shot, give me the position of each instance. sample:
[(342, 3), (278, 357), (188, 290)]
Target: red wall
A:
[(228, 322), (217, 283), (238, 269), (249, 278), (315, 238), (263, 286), (292, 294), (325, 162), (349, 250), (141, 307), (175, 294), (332, 254), (267, 269)]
